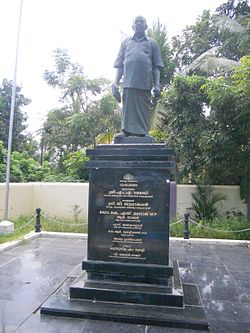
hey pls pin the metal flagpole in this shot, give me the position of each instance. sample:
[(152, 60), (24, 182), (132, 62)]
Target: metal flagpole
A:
[(12, 107)]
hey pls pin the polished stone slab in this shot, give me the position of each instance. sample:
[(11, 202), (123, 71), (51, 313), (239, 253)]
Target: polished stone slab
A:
[(242, 279), (224, 326), (170, 294), (115, 271), (129, 212), (43, 324), (191, 316), (120, 139), (227, 310)]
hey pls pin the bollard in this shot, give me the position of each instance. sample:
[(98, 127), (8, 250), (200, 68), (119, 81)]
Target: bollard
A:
[(38, 220), (186, 229)]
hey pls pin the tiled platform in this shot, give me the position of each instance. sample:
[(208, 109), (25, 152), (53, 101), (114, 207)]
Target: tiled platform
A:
[(32, 271)]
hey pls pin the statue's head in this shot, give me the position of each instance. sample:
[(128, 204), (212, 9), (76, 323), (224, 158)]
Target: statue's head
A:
[(139, 24)]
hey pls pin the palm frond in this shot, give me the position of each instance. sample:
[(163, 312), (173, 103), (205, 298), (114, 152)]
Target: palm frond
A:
[(196, 63), (156, 120), (105, 138), (209, 62), (224, 22), (204, 202)]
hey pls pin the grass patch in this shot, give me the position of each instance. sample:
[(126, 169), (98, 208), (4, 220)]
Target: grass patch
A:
[(223, 226), (21, 228), (64, 225)]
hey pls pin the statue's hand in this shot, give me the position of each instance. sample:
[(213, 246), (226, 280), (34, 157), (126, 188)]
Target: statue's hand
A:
[(116, 93), (156, 91)]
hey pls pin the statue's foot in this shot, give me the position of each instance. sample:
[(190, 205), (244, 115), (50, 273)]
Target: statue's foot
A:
[(130, 138), (120, 135), (126, 134)]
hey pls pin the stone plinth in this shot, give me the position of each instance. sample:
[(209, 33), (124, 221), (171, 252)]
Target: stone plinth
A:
[(6, 227), (127, 275)]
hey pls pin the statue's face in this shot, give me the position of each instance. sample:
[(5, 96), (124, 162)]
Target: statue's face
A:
[(139, 24)]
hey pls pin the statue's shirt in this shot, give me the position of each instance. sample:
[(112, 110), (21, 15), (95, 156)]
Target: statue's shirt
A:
[(138, 58)]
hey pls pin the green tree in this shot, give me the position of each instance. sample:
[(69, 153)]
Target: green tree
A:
[(208, 125), (234, 9), (3, 156), (195, 40), (185, 122), (104, 117), (25, 169), (75, 166), (87, 110), (56, 137), (216, 42), (229, 100), (31, 146), (19, 115), (232, 19), (230, 104), (65, 132), (77, 90), (159, 33)]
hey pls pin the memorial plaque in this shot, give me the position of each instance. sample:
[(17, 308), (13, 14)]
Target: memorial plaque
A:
[(128, 214)]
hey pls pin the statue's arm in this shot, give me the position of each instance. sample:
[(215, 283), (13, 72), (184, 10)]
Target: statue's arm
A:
[(118, 76), (156, 81), (115, 86)]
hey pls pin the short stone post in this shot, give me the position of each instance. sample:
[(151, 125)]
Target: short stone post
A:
[(38, 220), (186, 227)]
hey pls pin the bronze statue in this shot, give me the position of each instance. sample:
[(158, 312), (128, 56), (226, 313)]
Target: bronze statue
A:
[(139, 62)]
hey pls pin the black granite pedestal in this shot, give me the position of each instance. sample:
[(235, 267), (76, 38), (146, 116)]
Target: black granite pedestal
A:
[(128, 275)]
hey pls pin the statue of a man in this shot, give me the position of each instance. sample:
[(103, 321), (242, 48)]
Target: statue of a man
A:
[(139, 62)]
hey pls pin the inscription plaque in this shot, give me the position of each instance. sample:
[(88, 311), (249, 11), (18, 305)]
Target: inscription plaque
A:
[(128, 214)]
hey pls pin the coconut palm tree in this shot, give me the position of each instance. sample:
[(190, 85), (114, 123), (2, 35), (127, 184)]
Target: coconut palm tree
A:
[(211, 62)]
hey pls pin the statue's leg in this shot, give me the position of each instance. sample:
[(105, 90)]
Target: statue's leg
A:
[(136, 111)]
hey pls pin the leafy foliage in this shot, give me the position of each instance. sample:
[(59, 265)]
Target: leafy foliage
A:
[(65, 132), (208, 125), (219, 228), (216, 41), (195, 40), (77, 90), (23, 167), (229, 100), (205, 199), (19, 116), (104, 117), (159, 33), (184, 121), (75, 166), (159, 136), (88, 110)]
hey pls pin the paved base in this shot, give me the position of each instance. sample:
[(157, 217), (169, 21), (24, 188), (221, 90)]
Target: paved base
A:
[(191, 316), (178, 305), (31, 271)]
